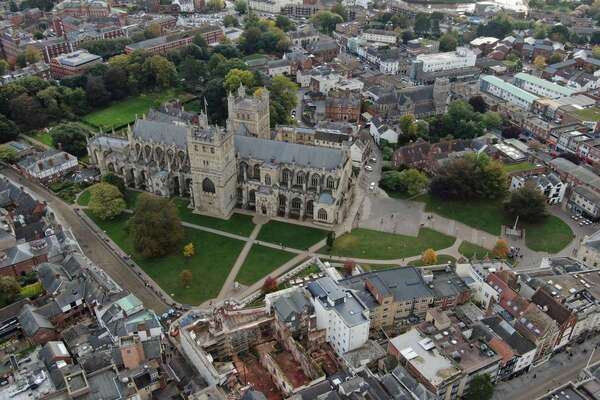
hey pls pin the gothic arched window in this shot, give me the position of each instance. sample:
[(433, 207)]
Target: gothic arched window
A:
[(208, 186)]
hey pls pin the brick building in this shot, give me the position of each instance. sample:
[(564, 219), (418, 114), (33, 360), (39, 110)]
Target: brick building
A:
[(73, 64), (343, 106)]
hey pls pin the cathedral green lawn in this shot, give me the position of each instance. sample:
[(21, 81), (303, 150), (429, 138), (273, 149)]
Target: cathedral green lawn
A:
[(484, 215), (215, 255), (122, 112), (470, 250), (551, 236), (260, 262), (365, 243), (291, 235), (239, 224)]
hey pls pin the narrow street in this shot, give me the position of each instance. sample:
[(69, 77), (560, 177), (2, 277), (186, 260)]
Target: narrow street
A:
[(93, 247)]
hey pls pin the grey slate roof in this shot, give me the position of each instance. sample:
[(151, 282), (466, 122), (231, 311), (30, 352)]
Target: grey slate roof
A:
[(31, 321), (288, 153), (161, 132), (346, 305), (290, 305)]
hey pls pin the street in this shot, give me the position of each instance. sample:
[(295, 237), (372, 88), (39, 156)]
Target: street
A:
[(93, 247), (556, 372)]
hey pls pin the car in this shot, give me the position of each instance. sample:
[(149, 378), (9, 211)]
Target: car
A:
[(373, 159), (369, 168)]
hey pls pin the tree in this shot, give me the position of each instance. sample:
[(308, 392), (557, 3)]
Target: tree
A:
[(596, 52), (422, 24), (159, 71), (407, 36), (8, 130), (330, 239), (392, 181), (230, 20), (269, 285), (114, 180), (492, 120), (511, 132), (155, 227), (429, 257), (96, 92), (71, 137), (481, 388), (106, 201), (474, 176), (32, 54), (186, 278), (413, 180), (283, 99), (152, 31), (527, 202), (539, 62), (448, 42), (555, 58), (9, 290), (406, 122), (501, 249), (188, 250), (284, 23), (478, 103), (237, 77), (7, 154), (241, 6), (215, 5), (325, 21), (3, 67), (340, 10)]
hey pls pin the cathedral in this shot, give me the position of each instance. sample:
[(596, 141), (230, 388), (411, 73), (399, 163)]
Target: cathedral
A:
[(172, 152)]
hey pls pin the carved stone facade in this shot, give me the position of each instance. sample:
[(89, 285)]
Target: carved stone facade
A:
[(171, 152)]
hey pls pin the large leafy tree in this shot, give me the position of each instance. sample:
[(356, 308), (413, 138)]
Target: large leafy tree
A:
[(106, 201), (413, 180), (71, 137), (481, 388), (9, 290), (237, 77), (527, 202), (8, 130), (448, 42), (325, 21), (283, 98), (155, 227), (470, 177)]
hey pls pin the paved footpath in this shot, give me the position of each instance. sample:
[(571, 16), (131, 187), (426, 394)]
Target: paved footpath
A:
[(92, 245)]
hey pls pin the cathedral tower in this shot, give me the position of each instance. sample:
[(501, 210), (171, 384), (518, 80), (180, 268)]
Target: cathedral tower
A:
[(248, 114), (213, 168)]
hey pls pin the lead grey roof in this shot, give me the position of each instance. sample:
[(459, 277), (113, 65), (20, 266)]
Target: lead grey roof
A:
[(161, 132), (288, 153), (294, 303), (31, 321)]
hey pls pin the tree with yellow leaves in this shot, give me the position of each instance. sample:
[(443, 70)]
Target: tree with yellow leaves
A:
[(429, 257), (188, 250), (501, 249), (539, 62)]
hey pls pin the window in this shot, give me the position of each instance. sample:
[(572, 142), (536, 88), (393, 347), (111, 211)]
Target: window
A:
[(267, 179), (315, 180), (300, 178), (285, 176), (256, 172), (322, 215), (330, 182), (208, 186)]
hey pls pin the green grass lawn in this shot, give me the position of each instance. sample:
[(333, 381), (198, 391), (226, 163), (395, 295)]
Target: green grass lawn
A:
[(552, 236), (485, 215), (589, 114), (33, 290), (441, 259), (84, 198), (124, 111), (470, 250), (261, 261), (518, 167), (239, 224), (210, 266), (291, 235), (365, 243), (43, 137)]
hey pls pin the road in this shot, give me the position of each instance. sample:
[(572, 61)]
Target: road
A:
[(558, 371), (93, 247)]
